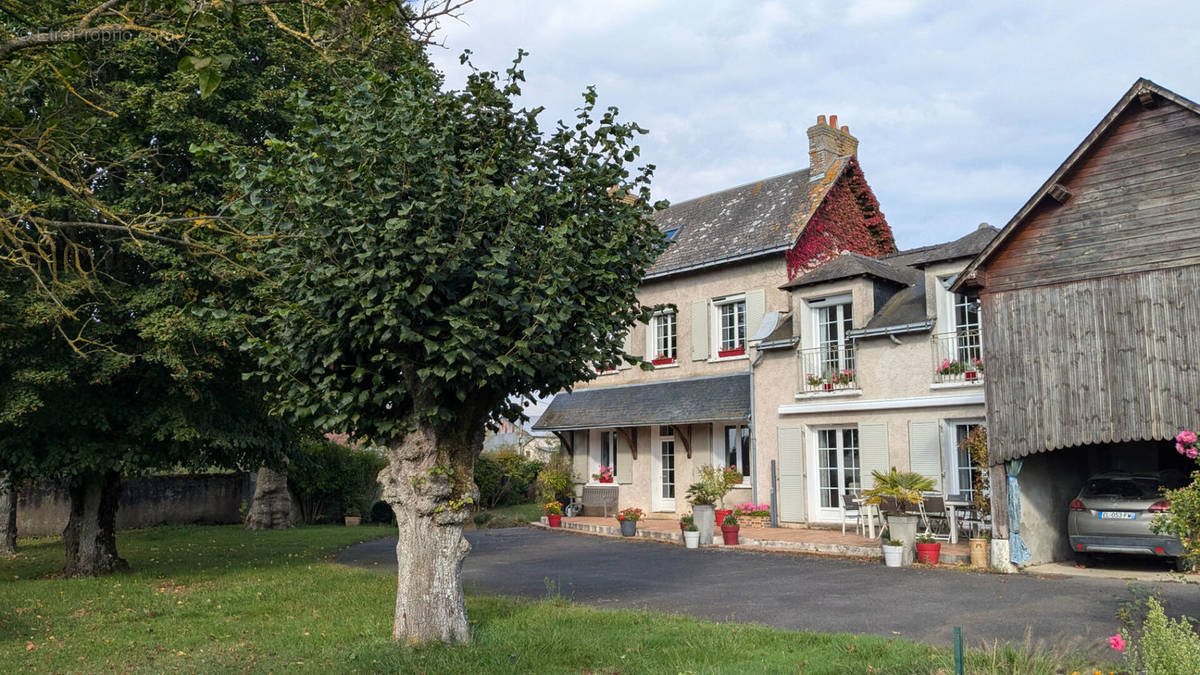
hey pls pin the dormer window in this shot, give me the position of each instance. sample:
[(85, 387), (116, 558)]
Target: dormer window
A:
[(671, 233)]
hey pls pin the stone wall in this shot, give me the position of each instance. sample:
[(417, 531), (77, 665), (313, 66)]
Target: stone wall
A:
[(43, 508)]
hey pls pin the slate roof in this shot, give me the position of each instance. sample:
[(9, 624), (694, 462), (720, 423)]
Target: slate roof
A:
[(686, 401), (963, 247), (781, 336), (743, 222), (849, 265), (903, 309)]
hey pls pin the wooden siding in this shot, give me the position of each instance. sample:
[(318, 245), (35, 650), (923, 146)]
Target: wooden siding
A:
[(1106, 360), (1134, 206)]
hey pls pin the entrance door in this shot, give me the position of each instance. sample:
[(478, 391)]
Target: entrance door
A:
[(664, 471), (838, 470)]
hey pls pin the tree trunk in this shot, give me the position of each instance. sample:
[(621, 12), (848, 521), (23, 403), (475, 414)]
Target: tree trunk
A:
[(8, 515), (430, 484), (272, 506), (91, 533)]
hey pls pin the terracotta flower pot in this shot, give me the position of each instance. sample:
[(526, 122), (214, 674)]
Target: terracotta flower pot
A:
[(979, 553), (555, 519), (730, 534), (720, 516), (353, 521), (929, 553)]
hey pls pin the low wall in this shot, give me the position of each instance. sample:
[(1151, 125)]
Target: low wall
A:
[(43, 508)]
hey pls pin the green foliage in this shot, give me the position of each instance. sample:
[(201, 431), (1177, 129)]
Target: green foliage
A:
[(326, 475), (905, 487), (1161, 645), (505, 478), (442, 259), (555, 481), (715, 482), (976, 446), (1183, 519)]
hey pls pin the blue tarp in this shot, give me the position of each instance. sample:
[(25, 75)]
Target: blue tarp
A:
[(1018, 552)]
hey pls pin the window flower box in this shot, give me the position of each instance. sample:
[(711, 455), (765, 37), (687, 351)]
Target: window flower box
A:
[(663, 360), (725, 353), (971, 375)]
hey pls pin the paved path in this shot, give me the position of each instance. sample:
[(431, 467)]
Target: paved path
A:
[(793, 591)]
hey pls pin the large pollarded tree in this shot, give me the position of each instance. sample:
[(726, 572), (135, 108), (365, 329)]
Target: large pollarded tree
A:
[(438, 258)]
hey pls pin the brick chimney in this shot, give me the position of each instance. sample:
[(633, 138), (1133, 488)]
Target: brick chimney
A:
[(826, 142)]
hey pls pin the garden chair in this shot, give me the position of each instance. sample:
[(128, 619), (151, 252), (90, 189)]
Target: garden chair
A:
[(935, 517), (851, 511)]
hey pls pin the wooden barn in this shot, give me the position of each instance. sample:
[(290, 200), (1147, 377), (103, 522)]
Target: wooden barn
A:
[(1090, 301)]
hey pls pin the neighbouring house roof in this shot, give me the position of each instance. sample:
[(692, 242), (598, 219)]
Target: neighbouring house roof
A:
[(906, 308), (963, 247), (744, 222), (686, 401), (851, 265), (1141, 88)]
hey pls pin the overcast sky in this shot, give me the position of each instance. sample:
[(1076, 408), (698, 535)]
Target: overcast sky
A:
[(962, 109)]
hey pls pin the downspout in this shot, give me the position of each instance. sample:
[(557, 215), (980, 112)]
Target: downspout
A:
[(753, 431)]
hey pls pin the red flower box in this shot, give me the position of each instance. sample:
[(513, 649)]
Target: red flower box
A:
[(828, 386), (740, 351), (662, 361), (606, 480), (971, 375)]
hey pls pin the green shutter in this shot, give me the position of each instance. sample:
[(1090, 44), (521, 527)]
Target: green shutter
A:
[(791, 475)]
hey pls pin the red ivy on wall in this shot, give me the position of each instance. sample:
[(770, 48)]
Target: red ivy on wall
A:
[(848, 219)]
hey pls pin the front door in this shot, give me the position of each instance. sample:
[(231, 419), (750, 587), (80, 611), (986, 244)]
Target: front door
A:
[(838, 470), (664, 471)]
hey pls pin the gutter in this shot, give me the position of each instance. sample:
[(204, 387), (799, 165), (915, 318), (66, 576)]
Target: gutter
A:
[(891, 330), (753, 430)]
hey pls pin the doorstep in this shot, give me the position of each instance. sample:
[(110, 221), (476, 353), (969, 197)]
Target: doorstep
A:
[(753, 543)]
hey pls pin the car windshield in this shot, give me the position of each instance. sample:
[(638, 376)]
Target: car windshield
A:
[(1123, 488)]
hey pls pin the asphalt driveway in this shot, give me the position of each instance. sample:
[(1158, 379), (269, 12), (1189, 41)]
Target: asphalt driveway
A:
[(792, 591)]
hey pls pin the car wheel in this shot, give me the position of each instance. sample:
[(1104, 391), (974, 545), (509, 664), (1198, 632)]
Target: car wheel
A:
[(1084, 559)]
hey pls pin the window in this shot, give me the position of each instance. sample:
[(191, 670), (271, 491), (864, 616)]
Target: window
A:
[(737, 449), (672, 233), (667, 463), (608, 450), (663, 339), (961, 466), (838, 465), (731, 328), (834, 320), (966, 328)]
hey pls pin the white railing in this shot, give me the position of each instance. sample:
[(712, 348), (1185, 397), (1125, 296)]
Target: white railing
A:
[(958, 357), (828, 368)]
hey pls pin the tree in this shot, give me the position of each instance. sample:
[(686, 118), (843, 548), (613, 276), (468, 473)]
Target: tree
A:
[(272, 505), (8, 515), (439, 261), (124, 294)]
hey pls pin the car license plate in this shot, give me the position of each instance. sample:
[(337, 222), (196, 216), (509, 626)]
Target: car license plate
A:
[(1117, 515)]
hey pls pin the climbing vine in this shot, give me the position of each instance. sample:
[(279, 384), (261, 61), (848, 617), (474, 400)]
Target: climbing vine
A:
[(848, 219)]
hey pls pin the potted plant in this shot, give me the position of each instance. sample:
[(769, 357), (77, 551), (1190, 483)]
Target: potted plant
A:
[(951, 367), (685, 521), (815, 380), (844, 376), (553, 511), (691, 536), (629, 519), (893, 550), (928, 548), (905, 488), (605, 475), (353, 515), (729, 530), (717, 482), (704, 494)]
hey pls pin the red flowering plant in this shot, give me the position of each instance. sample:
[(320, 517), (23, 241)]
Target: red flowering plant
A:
[(951, 367), (752, 509), (605, 475), (631, 514), (843, 376)]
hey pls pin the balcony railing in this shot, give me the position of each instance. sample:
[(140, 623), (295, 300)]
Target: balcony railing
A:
[(828, 368), (958, 357)]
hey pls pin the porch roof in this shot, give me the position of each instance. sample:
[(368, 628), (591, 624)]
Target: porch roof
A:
[(692, 400)]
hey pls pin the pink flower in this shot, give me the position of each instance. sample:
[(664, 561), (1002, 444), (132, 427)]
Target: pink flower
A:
[(1192, 453), (1186, 437), (1117, 642)]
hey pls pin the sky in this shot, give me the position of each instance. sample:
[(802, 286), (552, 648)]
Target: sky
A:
[(962, 110)]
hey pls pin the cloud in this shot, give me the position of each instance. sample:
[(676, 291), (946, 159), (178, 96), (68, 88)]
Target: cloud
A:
[(962, 110)]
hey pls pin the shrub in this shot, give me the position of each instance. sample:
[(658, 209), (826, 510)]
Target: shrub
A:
[(326, 475), (555, 482), (505, 478), (1165, 646)]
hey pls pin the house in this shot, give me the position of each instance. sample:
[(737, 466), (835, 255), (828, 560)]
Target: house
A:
[(1091, 311), (876, 365), (522, 438), (730, 253)]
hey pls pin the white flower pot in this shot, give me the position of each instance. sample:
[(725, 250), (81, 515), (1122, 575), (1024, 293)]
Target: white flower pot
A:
[(691, 539), (893, 556)]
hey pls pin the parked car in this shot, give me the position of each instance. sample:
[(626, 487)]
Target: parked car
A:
[(1113, 512)]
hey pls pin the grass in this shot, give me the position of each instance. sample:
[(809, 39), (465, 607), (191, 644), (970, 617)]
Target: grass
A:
[(209, 599), (508, 516)]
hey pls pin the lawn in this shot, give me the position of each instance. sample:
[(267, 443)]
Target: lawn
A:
[(508, 516), (222, 599)]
